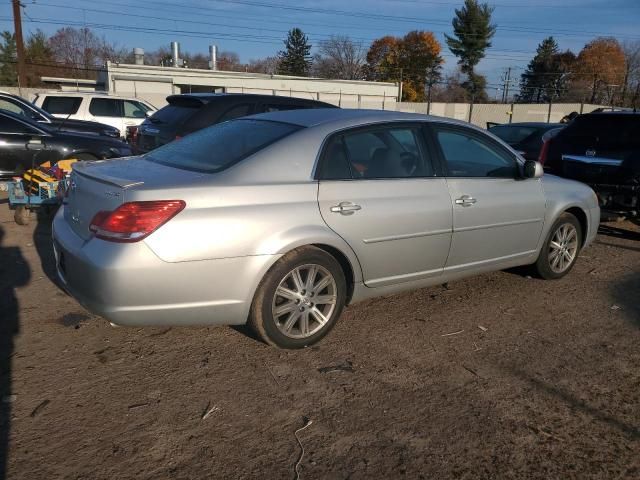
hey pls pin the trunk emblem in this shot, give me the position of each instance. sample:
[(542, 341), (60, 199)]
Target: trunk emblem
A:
[(590, 153), (75, 217), (112, 194)]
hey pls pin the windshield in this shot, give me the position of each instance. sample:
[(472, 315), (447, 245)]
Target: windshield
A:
[(220, 146)]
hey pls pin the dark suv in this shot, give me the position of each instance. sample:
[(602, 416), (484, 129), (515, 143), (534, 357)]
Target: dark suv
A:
[(188, 113), (602, 150)]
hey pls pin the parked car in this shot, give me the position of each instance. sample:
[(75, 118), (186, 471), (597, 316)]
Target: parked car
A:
[(20, 106), (16, 131), (524, 137), (603, 150), (281, 219), (188, 113), (119, 112)]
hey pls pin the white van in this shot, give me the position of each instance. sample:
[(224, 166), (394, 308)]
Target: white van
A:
[(119, 112)]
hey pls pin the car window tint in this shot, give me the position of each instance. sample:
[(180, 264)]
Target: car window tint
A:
[(386, 153), (216, 148), (173, 114), (133, 109), (10, 125), (335, 165), (469, 156), (604, 130), (236, 111), (105, 107), (275, 107), (514, 134), (61, 105), (13, 107)]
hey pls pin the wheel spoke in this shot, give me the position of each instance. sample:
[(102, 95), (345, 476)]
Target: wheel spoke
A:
[(285, 308), (311, 278), (555, 245), (286, 293), (304, 323), (554, 262), (322, 284), (291, 321), (324, 299), (297, 280), (319, 316), (568, 256)]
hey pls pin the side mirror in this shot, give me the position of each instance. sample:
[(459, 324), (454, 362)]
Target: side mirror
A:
[(35, 144), (533, 169)]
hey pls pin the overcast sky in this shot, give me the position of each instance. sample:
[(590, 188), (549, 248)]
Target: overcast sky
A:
[(255, 28)]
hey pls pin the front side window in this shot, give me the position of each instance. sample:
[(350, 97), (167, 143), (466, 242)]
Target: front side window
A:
[(61, 105), (105, 107), (392, 152), (467, 155), (220, 146)]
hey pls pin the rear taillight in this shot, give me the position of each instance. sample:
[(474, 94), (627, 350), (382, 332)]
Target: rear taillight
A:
[(133, 221), (544, 152), (178, 137)]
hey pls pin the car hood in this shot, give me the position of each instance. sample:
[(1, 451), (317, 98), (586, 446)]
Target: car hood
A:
[(79, 125)]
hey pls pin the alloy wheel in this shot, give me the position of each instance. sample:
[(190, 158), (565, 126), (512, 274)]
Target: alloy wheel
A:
[(563, 247), (304, 301)]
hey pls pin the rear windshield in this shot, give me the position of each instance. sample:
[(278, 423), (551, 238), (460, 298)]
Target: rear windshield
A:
[(606, 128), (512, 133), (220, 146), (173, 114)]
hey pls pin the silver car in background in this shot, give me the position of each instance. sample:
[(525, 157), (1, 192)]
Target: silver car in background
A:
[(282, 219)]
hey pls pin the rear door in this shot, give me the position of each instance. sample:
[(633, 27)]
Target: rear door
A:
[(497, 215), (108, 111), (62, 106), (378, 191)]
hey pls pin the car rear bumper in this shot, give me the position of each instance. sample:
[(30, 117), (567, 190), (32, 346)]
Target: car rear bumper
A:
[(127, 284)]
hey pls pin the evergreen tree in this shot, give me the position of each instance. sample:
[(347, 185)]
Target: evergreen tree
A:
[(39, 58), (472, 31), (8, 56), (296, 58), (545, 77)]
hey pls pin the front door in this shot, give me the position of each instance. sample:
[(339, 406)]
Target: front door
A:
[(497, 214), (108, 111), (379, 193)]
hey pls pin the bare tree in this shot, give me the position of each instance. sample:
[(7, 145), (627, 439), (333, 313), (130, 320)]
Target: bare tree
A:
[(631, 84), (341, 58), (268, 65)]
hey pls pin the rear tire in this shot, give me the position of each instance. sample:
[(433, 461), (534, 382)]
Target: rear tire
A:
[(560, 249), (299, 299)]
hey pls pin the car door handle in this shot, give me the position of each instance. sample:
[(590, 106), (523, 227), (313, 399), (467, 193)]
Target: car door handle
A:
[(465, 201), (346, 208)]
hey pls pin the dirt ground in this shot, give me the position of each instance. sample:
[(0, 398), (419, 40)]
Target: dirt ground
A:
[(497, 376)]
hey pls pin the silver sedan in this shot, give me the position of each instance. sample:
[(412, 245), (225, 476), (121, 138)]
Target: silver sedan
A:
[(280, 220)]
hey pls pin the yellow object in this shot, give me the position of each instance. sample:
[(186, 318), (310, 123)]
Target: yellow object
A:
[(66, 165), (35, 177)]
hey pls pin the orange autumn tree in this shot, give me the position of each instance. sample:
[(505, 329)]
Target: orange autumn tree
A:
[(412, 59), (599, 70)]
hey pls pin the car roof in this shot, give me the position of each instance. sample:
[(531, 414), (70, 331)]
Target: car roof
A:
[(89, 94), (530, 124), (352, 117), (206, 98)]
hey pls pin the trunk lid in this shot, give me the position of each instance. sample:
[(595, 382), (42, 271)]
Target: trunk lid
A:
[(103, 185)]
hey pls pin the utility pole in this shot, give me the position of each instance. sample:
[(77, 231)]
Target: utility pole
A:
[(17, 25), (506, 85)]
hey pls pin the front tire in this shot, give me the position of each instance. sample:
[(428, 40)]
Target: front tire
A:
[(560, 249), (299, 300)]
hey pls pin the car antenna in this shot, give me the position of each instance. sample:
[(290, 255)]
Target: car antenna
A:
[(63, 122)]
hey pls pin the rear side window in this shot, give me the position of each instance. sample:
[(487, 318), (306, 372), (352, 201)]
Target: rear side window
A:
[(220, 146), (513, 134), (236, 111), (61, 105), (133, 109), (390, 152), (9, 125), (173, 114), (275, 107), (105, 107)]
